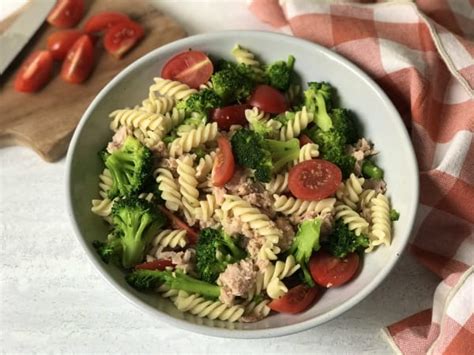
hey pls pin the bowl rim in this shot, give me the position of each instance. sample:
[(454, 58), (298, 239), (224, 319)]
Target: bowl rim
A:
[(242, 333)]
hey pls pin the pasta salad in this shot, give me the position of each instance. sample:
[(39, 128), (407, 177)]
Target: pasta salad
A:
[(234, 192)]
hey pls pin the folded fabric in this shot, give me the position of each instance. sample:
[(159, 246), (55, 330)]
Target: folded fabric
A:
[(422, 56)]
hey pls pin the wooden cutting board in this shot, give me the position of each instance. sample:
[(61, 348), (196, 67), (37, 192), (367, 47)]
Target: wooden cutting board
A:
[(45, 121)]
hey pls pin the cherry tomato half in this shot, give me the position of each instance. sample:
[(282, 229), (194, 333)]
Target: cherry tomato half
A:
[(330, 271), (79, 61), (224, 164), (159, 264), (230, 115), (102, 21), (66, 13), (35, 72), (296, 300), (60, 42), (268, 99), (177, 223), (314, 179), (121, 37), (193, 68)]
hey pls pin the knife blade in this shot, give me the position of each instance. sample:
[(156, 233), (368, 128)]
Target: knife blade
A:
[(19, 33)]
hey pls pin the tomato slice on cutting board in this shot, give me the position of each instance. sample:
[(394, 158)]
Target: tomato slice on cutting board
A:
[(60, 42), (296, 300), (66, 13), (193, 68), (314, 179), (330, 271), (102, 21), (121, 37), (224, 163), (79, 61), (268, 99), (230, 115), (35, 72)]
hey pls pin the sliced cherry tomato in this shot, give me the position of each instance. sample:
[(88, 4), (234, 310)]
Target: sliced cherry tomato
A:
[(230, 115), (121, 37), (159, 264), (330, 271), (304, 139), (60, 42), (79, 61), (314, 179), (268, 99), (296, 300), (103, 21), (177, 223), (191, 67), (35, 72), (224, 164), (66, 13)]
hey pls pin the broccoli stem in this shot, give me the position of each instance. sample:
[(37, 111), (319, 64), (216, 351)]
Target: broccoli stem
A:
[(322, 118), (371, 170), (188, 284)]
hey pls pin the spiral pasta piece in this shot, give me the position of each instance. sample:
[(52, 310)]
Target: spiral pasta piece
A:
[(352, 219), (207, 85), (254, 114), (170, 88), (204, 166), (188, 185), (307, 152), (257, 220), (193, 139), (256, 310), (169, 238), (202, 307), (206, 208), (167, 292), (269, 251), (102, 208), (295, 125), (350, 190), (162, 104), (278, 184), (244, 56), (380, 231), (296, 207), (169, 189), (134, 118), (105, 182)]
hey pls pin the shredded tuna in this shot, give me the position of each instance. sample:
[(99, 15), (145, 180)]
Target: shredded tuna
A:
[(240, 184), (234, 225), (171, 164), (262, 200), (379, 186), (219, 193), (183, 260), (360, 150), (237, 280), (118, 139), (161, 149), (288, 233)]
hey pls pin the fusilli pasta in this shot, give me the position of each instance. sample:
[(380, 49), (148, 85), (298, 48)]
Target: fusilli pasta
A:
[(350, 190), (352, 219), (295, 125), (278, 184), (193, 139), (380, 231), (169, 189), (296, 207), (188, 186), (170, 88)]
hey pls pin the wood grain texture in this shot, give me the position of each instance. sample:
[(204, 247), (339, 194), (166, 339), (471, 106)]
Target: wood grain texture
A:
[(46, 120)]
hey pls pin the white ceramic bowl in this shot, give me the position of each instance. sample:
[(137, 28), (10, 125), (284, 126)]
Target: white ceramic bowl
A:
[(381, 123)]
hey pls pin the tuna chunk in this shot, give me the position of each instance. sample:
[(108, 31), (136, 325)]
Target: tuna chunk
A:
[(378, 185), (184, 260), (360, 151), (288, 233), (118, 139), (262, 200), (234, 225), (237, 279), (240, 184)]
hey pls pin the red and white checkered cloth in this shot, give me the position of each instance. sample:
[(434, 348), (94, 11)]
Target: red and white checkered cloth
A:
[(422, 56)]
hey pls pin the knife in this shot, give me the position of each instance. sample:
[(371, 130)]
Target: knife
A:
[(19, 33)]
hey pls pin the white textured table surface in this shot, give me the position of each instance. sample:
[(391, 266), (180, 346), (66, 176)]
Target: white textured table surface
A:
[(53, 300)]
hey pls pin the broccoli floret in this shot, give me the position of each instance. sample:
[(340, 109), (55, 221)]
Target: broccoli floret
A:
[(214, 251), (233, 83), (265, 156), (394, 215), (147, 280), (130, 167), (343, 122), (318, 99), (306, 241), (280, 73), (136, 221), (343, 241), (202, 101), (332, 148), (371, 170)]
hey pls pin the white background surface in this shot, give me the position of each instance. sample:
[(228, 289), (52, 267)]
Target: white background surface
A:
[(52, 300)]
